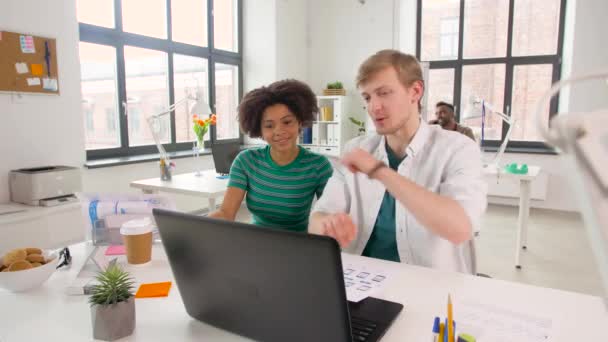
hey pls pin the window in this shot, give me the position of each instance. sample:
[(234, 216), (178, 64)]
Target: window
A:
[(135, 65), (506, 52), (448, 40)]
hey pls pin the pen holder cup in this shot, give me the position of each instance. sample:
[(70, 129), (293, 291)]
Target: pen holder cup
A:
[(165, 171)]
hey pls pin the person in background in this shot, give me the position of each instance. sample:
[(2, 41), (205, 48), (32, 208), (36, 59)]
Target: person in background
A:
[(281, 179), (444, 116), (412, 193)]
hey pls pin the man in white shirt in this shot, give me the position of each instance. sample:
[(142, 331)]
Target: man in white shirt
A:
[(413, 193)]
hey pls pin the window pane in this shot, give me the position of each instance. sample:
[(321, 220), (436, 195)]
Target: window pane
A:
[(440, 87), (190, 75), (97, 12), (535, 27), (486, 82), (145, 17), (530, 82), (189, 21), (439, 29), (225, 25), (99, 100), (485, 28), (226, 97), (147, 94)]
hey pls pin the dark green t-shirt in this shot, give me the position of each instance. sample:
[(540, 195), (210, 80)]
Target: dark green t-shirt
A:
[(382, 243), (280, 196)]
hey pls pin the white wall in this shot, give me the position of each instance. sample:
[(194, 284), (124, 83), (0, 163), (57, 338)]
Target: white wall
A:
[(589, 54), (41, 130)]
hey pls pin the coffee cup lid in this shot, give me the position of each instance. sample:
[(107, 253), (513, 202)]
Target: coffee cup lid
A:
[(136, 227)]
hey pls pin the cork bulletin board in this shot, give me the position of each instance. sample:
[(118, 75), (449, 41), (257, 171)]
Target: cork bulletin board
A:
[(28, 64)]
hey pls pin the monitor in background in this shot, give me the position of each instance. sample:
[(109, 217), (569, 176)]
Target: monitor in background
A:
[(224, 154), (267, 284)]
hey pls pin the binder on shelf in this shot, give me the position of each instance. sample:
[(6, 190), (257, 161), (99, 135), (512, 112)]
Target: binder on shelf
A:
[(315, 133), (307, 135)]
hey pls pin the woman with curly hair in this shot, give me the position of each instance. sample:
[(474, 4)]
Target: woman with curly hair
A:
[(281, 178)]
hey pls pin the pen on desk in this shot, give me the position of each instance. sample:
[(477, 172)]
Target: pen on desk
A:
[(450, 326), (436, 330)]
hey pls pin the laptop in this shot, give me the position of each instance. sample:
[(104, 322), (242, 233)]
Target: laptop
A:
[(266, 284), (223, 155)]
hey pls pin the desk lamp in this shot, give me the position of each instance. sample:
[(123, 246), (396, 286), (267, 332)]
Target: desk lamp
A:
[(582, 142), (475, 108), (200, 108)]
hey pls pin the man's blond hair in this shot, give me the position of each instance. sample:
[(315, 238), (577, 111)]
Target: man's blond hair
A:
[(407, 67)]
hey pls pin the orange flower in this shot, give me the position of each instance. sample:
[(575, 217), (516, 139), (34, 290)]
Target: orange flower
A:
[(201, 122)]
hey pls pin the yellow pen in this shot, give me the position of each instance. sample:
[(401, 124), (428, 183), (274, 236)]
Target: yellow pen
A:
[(441, 331), (450, 327)]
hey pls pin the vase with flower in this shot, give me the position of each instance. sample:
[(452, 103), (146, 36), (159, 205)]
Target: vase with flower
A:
[(201, 127)]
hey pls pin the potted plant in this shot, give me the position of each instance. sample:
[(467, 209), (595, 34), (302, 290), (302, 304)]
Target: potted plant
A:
[(359, 124), (335, 88), (112, 304)]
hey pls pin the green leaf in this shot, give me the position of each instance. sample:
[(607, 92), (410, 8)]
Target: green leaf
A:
[(115, 286)]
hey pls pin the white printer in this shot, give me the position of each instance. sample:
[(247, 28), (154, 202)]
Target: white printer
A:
[(45, 186)]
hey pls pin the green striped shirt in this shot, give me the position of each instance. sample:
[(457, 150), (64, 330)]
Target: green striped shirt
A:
[(280, 196)]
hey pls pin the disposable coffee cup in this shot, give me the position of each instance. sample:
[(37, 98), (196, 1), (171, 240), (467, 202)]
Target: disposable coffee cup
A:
[(137, 237)]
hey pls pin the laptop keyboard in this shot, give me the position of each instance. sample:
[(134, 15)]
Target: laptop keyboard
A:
[(362, 329)]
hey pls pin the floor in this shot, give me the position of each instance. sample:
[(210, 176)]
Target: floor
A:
[(558, 254)]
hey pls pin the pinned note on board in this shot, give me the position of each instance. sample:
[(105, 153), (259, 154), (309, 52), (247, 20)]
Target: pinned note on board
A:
[(27, 44), (33, 81), (21, 68), (49, 84), (37, 69)]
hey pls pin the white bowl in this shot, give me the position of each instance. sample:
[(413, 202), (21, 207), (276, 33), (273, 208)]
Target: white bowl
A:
[(28, 279)]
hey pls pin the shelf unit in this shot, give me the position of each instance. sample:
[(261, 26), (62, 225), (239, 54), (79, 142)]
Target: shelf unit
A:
[(329, 136)]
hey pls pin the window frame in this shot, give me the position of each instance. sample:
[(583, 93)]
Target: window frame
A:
[(510, 63), (115, 37)]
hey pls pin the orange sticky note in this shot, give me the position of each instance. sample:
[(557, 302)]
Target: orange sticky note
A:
[(153, 290), (37, 69)]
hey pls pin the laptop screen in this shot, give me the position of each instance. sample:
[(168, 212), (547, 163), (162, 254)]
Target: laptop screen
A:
[(224, 154)]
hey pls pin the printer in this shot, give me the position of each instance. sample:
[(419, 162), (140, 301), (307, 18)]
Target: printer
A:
[(45, 186)]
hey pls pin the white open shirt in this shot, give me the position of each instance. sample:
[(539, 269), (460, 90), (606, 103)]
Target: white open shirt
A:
[(445, 162)]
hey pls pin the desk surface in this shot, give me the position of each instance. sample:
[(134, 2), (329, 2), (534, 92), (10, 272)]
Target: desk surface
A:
[(207, 185), (47, 313)]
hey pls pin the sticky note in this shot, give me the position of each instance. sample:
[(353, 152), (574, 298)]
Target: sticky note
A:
[(27, 44), (115, 250), (153, 290), (21, 68), (37, 69), (49, 84), (33, 81)]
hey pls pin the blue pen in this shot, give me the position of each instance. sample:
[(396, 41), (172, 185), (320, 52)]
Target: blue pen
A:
[(47, 57), (445, 336), (436, 330)]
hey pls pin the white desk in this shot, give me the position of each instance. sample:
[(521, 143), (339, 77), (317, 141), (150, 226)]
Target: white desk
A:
[(524, 203), (207, 186), (48, 314)]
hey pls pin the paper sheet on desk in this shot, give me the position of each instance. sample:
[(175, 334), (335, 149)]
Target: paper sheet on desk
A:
[(490, 323), (361, 280)]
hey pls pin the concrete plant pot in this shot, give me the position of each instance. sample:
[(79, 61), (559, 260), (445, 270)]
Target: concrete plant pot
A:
[(111, 322)]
